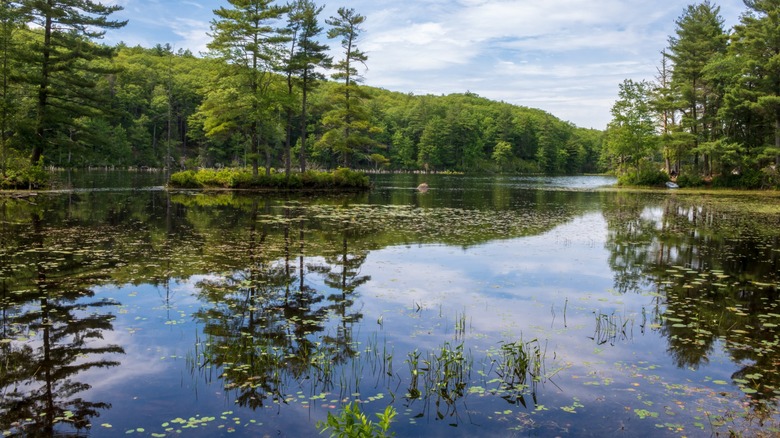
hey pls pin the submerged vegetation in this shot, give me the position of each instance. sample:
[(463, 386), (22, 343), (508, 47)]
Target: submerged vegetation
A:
[(352, 423)]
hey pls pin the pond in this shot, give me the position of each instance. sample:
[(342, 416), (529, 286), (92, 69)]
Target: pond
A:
[(486, 306)]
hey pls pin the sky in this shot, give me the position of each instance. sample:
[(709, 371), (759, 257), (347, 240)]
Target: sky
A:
[(566, 57)]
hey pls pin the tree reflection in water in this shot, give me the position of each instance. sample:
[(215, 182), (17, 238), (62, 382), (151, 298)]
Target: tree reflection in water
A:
[(51, 331), (714, 271)]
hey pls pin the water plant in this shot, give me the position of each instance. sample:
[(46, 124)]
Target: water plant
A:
[(520, 366), (352, 422), (612, 328)]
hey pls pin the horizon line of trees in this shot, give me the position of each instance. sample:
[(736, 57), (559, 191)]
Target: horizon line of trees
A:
[(713, 111), (259, 98)]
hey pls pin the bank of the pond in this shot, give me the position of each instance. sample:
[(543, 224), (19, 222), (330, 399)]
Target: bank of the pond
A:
[(341, 179), (705, 191)]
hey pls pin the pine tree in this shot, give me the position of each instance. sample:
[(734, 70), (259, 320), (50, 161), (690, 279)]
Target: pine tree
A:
[(246, 38), (63, 63), (700, 37), (348, 123), (756, 45), (11, 18), (305, 57)]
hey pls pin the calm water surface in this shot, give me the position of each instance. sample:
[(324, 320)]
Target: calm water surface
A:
[(484, 307)]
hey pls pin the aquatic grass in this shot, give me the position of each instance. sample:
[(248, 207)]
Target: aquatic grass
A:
[(612, 328)]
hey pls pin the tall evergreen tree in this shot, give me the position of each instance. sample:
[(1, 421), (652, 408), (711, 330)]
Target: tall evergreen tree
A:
[(11, 18), (305, 57), (348, 124), (665, 102), (700, 37), (245, 37), (63, 62), (756, 47)]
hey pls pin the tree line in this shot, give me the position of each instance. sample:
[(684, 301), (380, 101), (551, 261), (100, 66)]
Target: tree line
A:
[(713, 111), (267, 95)]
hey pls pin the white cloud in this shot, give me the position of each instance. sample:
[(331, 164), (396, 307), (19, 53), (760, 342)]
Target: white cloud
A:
[(193, 34)]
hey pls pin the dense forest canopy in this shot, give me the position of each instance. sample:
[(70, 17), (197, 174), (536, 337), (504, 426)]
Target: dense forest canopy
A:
[(713, 111), (269, 94)]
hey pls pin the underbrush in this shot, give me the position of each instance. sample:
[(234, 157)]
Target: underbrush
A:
[(21, 174), (644, 177)]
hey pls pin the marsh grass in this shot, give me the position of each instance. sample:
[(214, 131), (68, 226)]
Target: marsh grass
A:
[(612, 328)]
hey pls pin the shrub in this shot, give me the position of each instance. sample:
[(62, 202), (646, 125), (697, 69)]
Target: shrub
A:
[(344, 177), (749, 179), (690, 180), (185, 179), (771, 177), (20, 174), (644, 177), (243, 179)]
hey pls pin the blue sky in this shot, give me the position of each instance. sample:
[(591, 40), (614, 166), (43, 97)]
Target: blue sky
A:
[(566, 57)]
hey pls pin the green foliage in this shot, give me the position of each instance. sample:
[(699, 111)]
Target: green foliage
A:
[(135, 106), (690, 179), (65, 79), (230, 178), (647, 176), (714, 109), (348, 124), (21, 174), (352, 423), (748, 179), (631, 134)]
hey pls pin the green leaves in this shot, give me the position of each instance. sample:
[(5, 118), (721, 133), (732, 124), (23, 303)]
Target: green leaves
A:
[(352, 423)]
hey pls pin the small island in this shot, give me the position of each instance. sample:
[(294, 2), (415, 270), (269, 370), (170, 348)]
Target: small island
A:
[(341, 179)]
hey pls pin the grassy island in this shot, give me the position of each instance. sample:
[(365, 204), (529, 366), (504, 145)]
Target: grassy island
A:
[(341, 179)]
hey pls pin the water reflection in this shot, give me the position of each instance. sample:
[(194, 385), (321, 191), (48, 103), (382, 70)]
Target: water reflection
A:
[(52, 329), (716, 271), (478, 308)]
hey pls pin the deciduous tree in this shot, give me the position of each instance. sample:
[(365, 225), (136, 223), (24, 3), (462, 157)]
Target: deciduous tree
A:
[(631, 134)]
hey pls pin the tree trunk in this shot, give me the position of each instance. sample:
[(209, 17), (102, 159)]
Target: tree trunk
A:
[(777, 140), (287, 144), (303, 122), (43, 94)]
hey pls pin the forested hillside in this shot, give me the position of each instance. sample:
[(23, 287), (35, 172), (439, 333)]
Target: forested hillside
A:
[(280, 102), (459, 132)]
